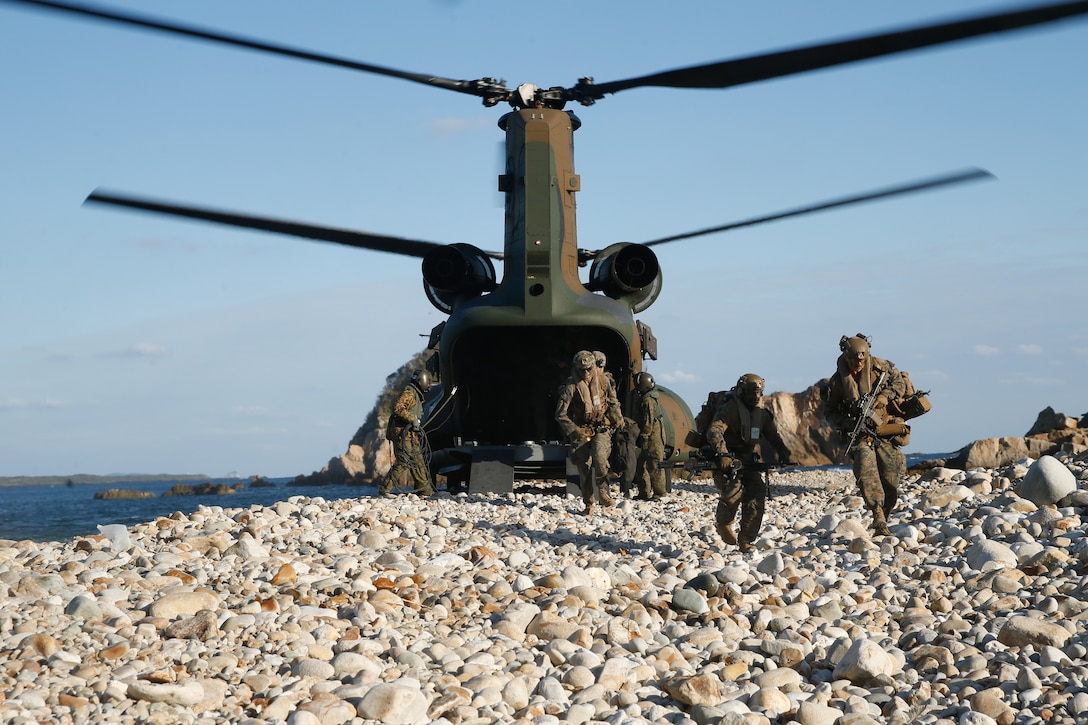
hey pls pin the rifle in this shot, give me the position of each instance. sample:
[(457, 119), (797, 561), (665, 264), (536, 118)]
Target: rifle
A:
[(700, 461), (865, 410)]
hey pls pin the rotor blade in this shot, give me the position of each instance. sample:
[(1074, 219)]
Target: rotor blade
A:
[(736, 72), (475, 88), (958, 177), (346, 237)]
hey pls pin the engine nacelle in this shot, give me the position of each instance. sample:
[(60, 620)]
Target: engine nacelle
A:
[(627, 272), (456, 272)]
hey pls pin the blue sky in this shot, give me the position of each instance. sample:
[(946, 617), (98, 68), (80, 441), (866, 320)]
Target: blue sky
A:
[(134, 343)]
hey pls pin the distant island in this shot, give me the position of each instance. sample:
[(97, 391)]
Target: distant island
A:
[(83, 478)]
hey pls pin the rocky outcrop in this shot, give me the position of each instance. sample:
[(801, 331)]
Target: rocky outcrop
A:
[(1051, 433), (811, 439), (998, 452), (369, 455), (112, 494), (1050, 421), (200, 489)]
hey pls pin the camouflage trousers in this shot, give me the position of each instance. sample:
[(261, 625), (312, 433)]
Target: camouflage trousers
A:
[(591, 460), (879, 466), (746, 491), (409, 464), (649, 478)]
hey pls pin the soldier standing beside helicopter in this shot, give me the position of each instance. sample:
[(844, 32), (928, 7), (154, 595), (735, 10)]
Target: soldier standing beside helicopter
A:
[(405, 430), (619, 434), (587, 414), (650, 478), (734, 434), (857, 405)]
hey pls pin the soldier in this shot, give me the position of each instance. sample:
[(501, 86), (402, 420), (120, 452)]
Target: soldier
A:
[(608, 382), (738, 426), (405, 430), (649, 479), (879, 464), (625, 455), (587, 414)]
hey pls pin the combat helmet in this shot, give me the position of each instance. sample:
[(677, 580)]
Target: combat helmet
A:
[(750, 388), (583, 360), (856, 347), (644, 383), (423, 380)]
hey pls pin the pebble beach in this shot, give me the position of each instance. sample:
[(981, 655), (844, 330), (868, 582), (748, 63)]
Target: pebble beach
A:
[(518, 609)]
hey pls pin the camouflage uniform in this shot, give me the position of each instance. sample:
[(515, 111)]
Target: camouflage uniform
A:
[(586, 414), (625, 454), (738, 426), (608, 383), (407, 440), (650, 479), (879, 464)]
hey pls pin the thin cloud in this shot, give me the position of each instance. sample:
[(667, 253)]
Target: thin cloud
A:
[(986, 350), (255, 411), (679, 376), (140, 350), (21, 404), (1032, 379), (451, 126), (1030, 349)]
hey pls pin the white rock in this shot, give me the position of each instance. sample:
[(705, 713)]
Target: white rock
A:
[(394, 704), (987, 554), (863, 661), (1047, 482), (187, 694)]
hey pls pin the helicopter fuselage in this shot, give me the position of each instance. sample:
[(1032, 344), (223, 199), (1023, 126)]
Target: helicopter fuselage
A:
[(507, 350)]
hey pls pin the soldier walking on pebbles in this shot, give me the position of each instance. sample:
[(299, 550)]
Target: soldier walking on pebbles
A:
[(587, 414), (857, 405), (649, 478), (734, 434), (405, 430)]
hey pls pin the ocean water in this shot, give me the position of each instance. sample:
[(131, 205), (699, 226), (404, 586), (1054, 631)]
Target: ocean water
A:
[(60, 513)]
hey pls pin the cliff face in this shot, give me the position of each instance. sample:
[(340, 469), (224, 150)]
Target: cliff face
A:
[(808, 435)]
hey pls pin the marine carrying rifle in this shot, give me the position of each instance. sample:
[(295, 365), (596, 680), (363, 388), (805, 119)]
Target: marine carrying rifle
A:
[(865, 410)]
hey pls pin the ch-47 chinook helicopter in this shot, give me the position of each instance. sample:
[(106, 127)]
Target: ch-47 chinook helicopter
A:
[(518, 331)]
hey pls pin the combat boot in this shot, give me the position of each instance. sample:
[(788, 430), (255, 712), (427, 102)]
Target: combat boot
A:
[(727, 535), (589, 508), (880, 523), (606, 497), (744, 546)]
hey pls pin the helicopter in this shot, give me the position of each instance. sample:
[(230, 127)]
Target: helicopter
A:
[(519, 330)]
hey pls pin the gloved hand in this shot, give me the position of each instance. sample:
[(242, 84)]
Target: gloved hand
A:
[(580, 436)]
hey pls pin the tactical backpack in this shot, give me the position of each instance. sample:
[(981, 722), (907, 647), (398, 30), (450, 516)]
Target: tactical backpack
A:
[(697, 438), (913, 403)]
